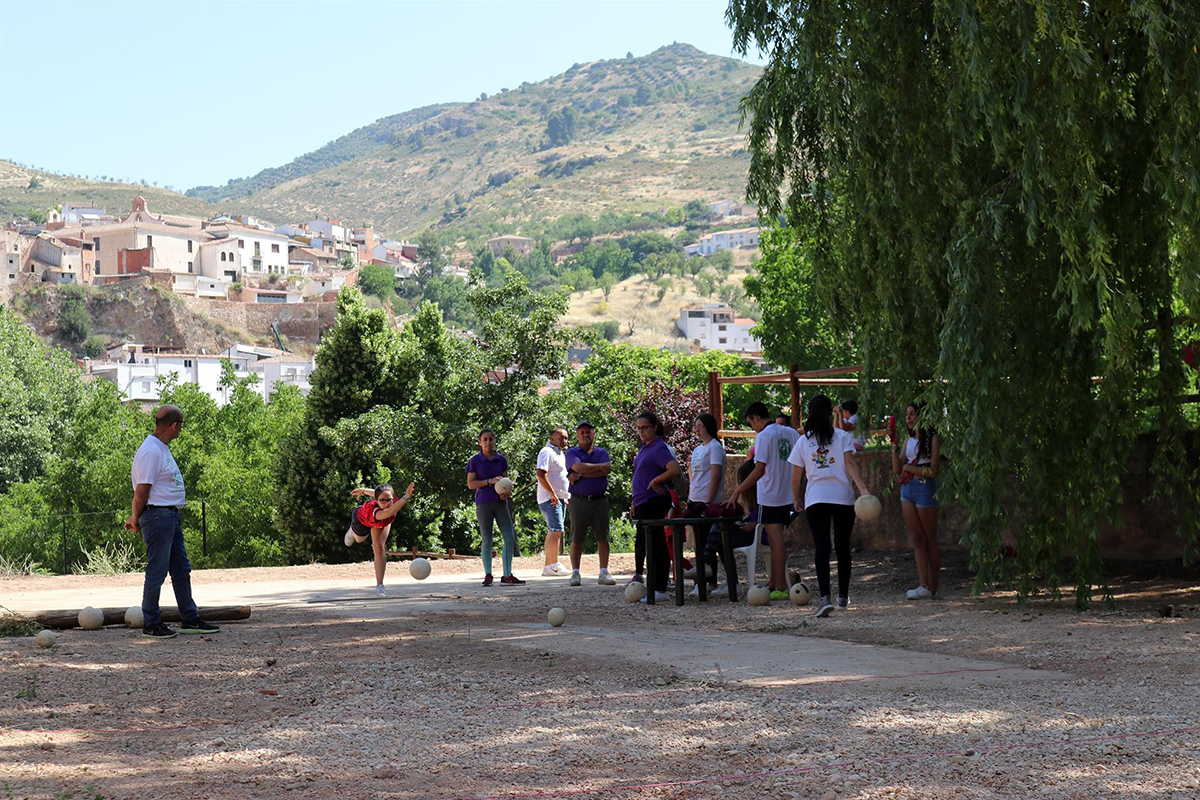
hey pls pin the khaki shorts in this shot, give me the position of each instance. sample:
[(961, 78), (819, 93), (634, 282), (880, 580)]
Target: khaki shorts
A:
[(588, 514)]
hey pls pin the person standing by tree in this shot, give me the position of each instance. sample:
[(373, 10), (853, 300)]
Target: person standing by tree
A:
[(917, 471), (158, 497), (373, 519), (588, 467), (654, 467), (552, 495), (825, 455), (772, 476), (484, 471)]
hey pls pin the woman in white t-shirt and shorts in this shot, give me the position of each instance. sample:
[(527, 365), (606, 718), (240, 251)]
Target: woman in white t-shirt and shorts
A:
[(825, 455), (917, 468)]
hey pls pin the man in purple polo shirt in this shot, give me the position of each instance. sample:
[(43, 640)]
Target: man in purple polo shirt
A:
[(587, 470)]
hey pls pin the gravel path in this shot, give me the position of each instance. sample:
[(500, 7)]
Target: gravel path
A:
[(324, 701)]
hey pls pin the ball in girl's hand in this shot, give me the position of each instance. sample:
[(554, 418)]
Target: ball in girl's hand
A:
[(419, 569), (504, 487), (867, 507)]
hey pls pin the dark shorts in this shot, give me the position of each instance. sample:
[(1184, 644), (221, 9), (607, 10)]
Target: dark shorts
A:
[(774, 515), (588, 513), (364, 531)]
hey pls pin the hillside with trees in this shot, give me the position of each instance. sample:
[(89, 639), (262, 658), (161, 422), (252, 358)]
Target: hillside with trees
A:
[(618, 136)]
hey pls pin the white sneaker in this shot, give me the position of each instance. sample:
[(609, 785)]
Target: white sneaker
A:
[(919, 593), (576, 580), (690, 574), (824, 608), (659, 597), (605, 579), (549, 571), (720, 591), (380, 591), (555, 569), (350, 540)]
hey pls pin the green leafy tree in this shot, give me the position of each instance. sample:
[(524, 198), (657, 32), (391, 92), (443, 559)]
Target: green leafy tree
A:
[(74, 319), (995, 249), (39, 386), (433, 256), (606, 283), (796, 327), (377, 280)]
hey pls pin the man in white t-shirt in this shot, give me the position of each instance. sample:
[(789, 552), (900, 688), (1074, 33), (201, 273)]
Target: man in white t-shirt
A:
[(772, 477), (158, 497), (553, 491)]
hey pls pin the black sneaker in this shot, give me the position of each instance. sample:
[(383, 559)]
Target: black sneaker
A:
[(487, 579), (198, 626), (512, 580), (159, 631)]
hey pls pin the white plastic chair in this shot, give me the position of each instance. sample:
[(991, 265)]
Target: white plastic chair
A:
[(751, 552)]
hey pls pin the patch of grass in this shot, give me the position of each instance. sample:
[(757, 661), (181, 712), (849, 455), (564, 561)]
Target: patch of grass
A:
[(14, 625), (12, 567), (111, 559)]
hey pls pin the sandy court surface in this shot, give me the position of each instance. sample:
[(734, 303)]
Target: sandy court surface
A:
[(446, 689)]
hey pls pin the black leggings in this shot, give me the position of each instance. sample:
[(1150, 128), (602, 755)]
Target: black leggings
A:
[(654, 508), (819, 516)]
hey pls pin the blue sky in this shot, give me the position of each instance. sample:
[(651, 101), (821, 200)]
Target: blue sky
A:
[(187, 93)]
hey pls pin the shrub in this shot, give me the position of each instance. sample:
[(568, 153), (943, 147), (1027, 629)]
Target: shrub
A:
[(114, 558)]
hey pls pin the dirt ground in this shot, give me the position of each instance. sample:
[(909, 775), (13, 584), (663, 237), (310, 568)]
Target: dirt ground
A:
[(407, 697)]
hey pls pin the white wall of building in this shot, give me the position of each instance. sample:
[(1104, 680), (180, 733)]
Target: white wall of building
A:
[(716, 327)]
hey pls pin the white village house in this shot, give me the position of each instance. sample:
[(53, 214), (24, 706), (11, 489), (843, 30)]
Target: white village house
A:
[(710, 243), (715, 326)]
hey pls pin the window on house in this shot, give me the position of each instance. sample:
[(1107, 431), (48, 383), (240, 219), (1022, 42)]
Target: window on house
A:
[(187, 363), (241, 244), (720, 327), (258, 248), (721, 340), (145, 386), (274, 248), (222, 256), (189, 266), (95, 244), (189, 245), (149, 241), (97, 265)]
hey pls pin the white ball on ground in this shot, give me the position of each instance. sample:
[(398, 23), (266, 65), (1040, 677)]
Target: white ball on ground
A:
[(419, 569), (504, 487), (800, 594), (91, 619), (758, 596), (867, 507), (45, 638), (557, 617), (133, 616), (634, 592)]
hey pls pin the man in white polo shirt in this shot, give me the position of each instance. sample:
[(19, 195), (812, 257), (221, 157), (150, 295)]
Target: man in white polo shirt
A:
[(158, 497), (552, 493)]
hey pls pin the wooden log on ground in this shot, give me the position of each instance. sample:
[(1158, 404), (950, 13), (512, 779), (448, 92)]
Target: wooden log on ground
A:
[(63, 620)]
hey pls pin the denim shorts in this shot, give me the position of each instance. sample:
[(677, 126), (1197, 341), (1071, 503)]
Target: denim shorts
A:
[(921, 492), (553, 514)]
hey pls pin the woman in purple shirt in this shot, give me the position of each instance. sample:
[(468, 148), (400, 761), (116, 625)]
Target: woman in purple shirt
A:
[(484, 471), (654, 467)]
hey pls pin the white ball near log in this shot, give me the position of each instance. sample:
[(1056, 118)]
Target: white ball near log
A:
[(133, 617), (45, 638), (91, 619), (759, 596)]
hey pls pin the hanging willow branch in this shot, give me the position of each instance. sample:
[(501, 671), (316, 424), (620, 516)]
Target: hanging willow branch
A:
[(1012, 190)]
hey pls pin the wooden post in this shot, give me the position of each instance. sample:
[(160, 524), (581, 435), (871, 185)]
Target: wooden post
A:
[(715, 401), (797, 411)]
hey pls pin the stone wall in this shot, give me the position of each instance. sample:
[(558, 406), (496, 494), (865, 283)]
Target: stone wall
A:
[(1149, 530), (298, 322)]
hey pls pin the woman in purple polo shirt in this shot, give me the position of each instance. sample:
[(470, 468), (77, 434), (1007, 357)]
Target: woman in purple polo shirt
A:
[(484, 471), (654, 467)]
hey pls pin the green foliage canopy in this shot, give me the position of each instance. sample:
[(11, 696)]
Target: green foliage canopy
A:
[(1011, 192)]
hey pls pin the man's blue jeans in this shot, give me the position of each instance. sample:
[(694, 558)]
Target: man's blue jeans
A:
[(162, 531)]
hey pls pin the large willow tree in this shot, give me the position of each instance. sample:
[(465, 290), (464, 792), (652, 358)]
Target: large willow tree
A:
[(1002, 201)]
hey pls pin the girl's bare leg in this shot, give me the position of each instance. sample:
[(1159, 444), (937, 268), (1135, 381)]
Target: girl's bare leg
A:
[(916, 533), (933, 568), (379, 545)]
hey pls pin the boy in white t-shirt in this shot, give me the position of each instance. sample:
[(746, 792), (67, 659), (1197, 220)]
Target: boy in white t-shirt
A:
[(553, 493), (845, 417), (772, 480)]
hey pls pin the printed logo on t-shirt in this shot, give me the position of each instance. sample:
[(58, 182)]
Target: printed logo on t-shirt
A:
[(822, 458), (785, 448)]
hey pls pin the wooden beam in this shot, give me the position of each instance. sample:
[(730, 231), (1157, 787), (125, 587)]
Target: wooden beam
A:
[(773, 377), (818, 373), (116, 616), (736, 434), (797, 411)]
